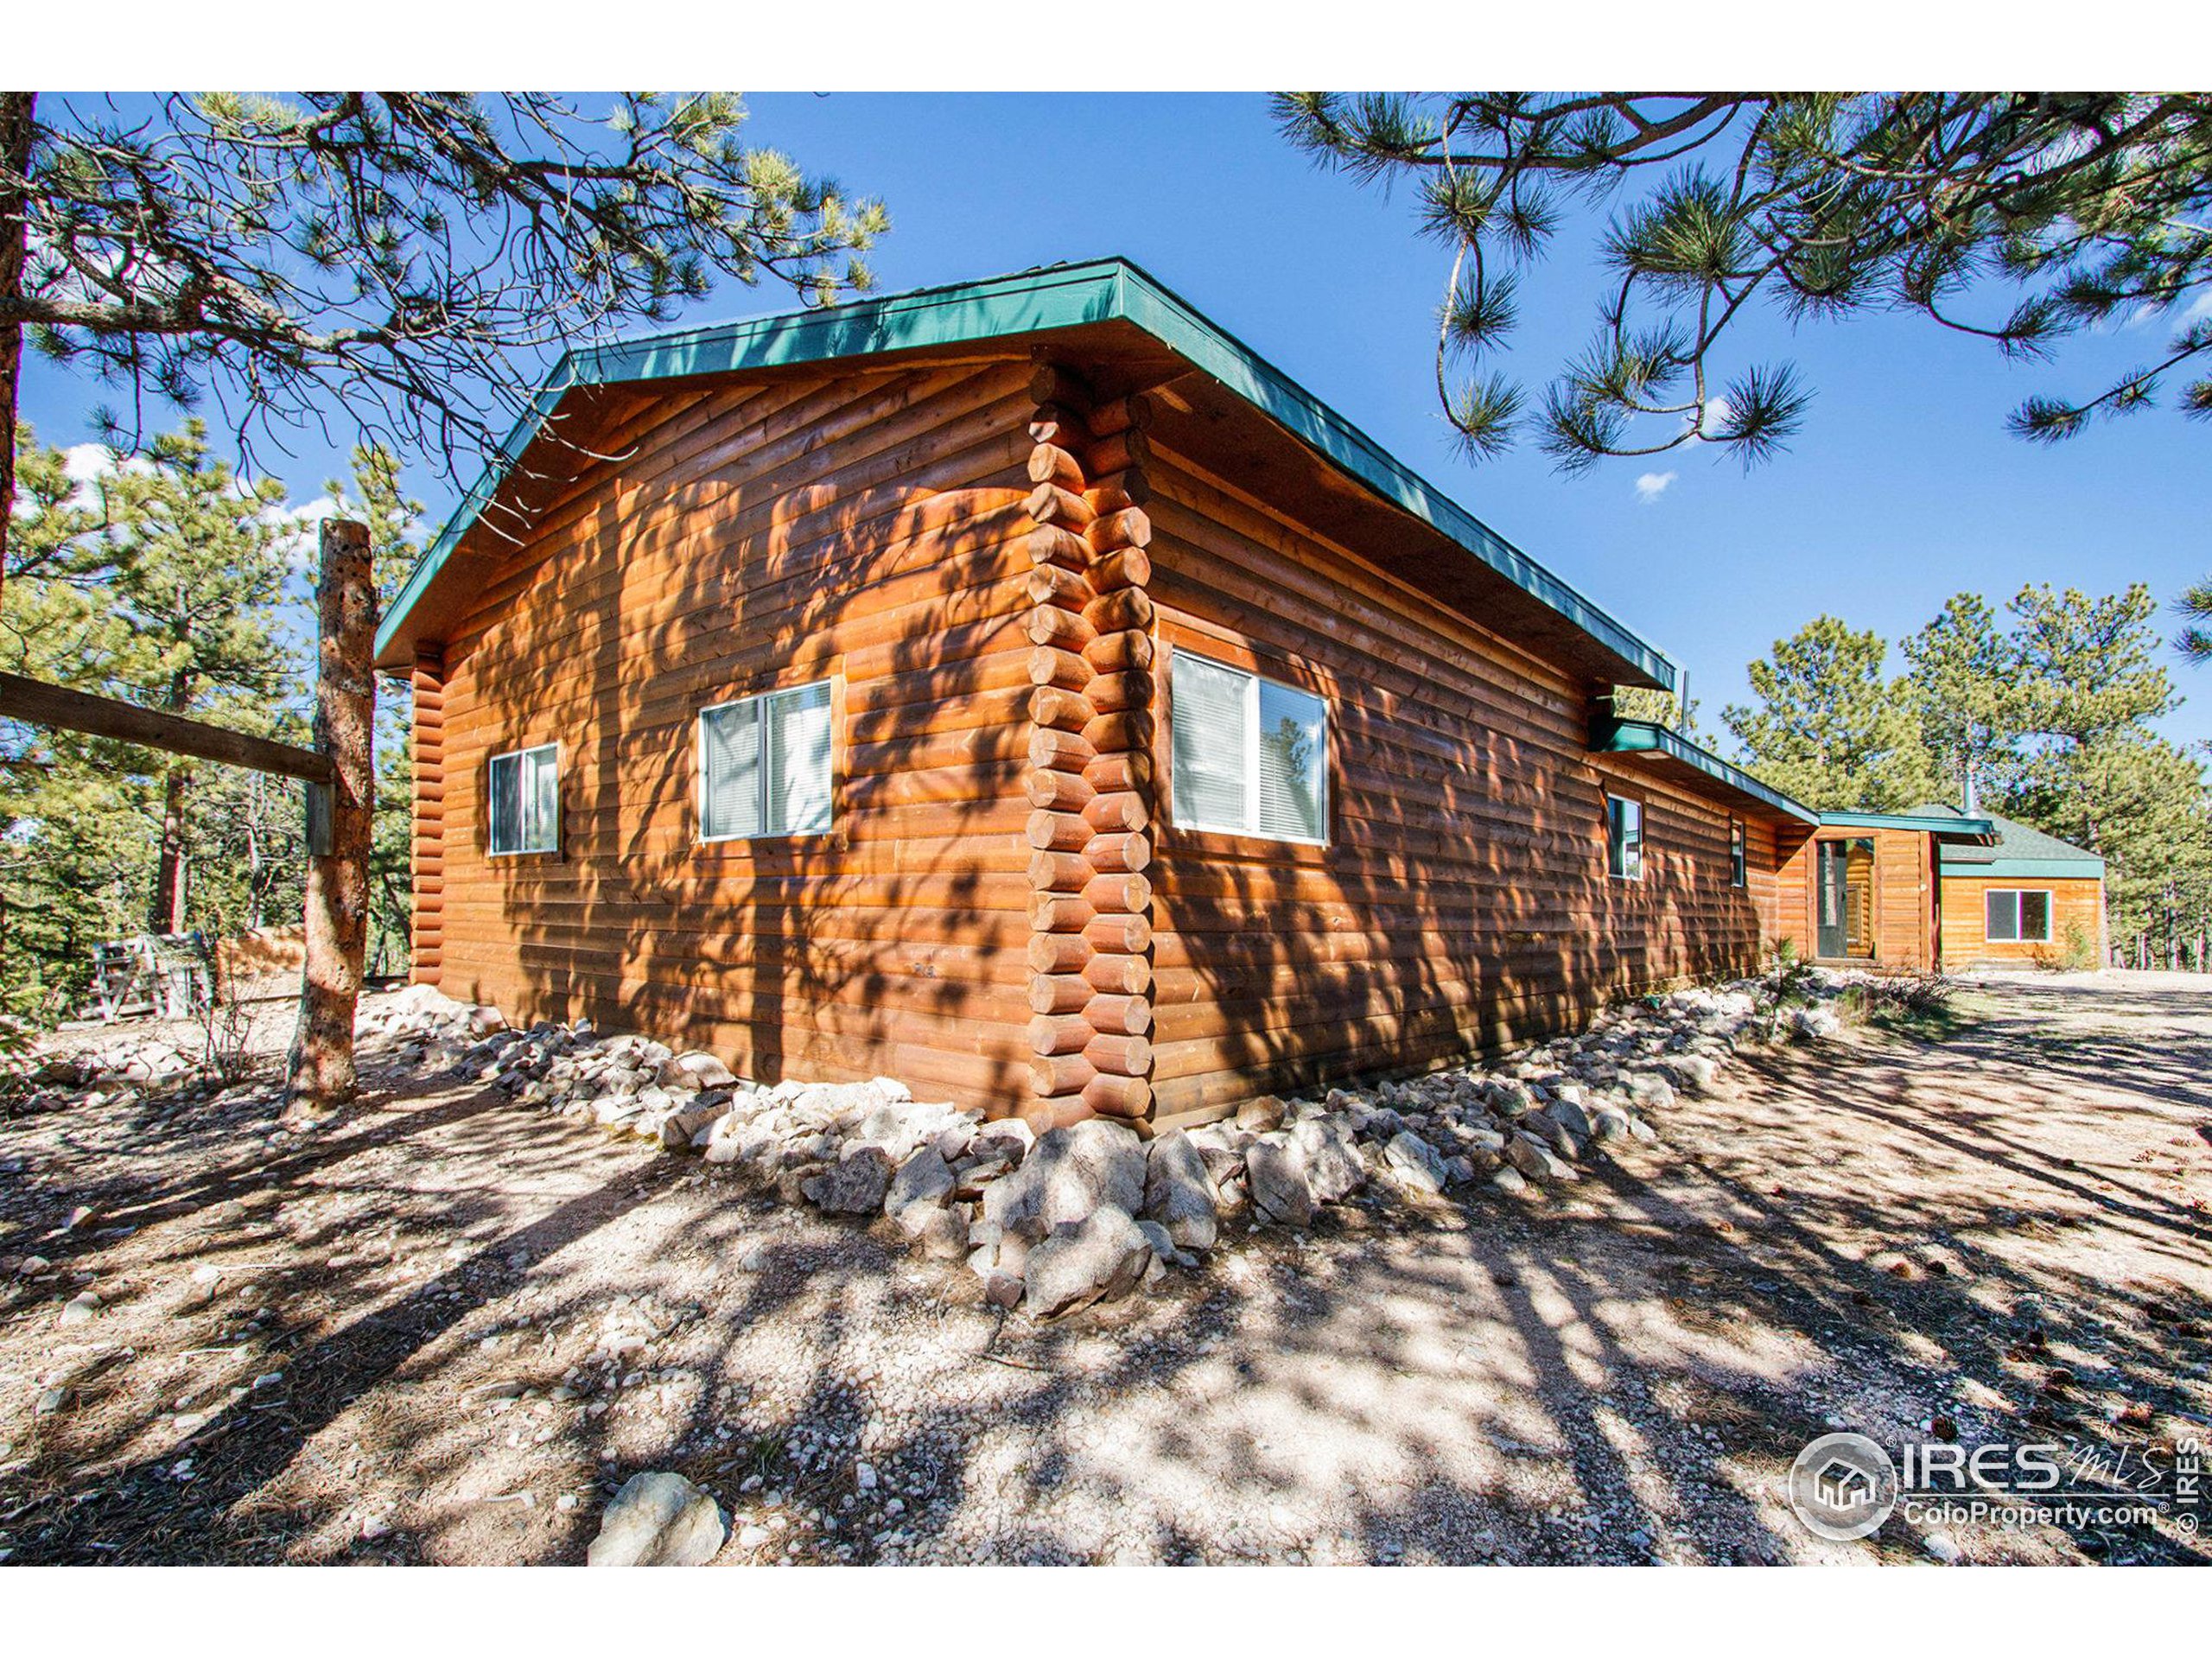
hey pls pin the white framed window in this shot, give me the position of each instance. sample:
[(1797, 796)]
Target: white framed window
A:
[(1623, 838), (2020, 915), (764, 765), (525, 801), (1251, 755), (1739, 869)]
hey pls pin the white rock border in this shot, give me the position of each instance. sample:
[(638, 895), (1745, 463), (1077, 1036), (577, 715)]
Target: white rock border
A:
[(1092, 1212)]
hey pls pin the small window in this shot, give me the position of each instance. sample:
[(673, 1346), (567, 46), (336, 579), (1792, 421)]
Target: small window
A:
[(2011, 915), (525, 788), (1251, 756), (1623, 838), (764, 765), (1737, 874)]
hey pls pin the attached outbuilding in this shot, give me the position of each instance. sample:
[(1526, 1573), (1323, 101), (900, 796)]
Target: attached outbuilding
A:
[(2020, 898), (1863, 889), (1024, 689)]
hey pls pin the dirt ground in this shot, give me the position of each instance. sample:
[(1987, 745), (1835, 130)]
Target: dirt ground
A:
[(389, 1342)]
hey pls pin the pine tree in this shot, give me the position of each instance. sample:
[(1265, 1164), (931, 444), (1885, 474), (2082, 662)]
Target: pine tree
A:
[(202, 560), (2017, 218), (2088, 667), (1831, 728), (2142, 804), (77, 829), (1962, 687), (379, 499), (2195, 641), (414, 260)]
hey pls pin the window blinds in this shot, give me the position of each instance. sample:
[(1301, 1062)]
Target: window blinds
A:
[(764, 765), (1251, 756)]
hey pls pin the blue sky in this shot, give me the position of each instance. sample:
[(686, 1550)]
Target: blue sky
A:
[(1902, 488)]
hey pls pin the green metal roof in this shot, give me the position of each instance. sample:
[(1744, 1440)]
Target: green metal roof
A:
[(1648, 737), (1059, 296), (2018, 850)]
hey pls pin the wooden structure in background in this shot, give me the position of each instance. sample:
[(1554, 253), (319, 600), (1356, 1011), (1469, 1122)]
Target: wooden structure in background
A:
[(989, 516), (425, 844), (339, 772), (37, 704)]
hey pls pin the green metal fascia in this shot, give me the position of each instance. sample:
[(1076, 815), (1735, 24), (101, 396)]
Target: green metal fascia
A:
[(1962, 829), (1647, 737), (2027, 869), (1032, 302)]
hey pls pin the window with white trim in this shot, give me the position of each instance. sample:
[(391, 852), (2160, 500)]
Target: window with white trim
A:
[(1251, 755), (1623, 838), (764, 765), (525, 786), (1737, 864), (2016, 915)]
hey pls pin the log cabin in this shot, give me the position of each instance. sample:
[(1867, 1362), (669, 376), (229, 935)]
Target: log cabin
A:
[(1023, 688)]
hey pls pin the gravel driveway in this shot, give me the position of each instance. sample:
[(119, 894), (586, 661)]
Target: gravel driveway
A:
[(357, 1346)]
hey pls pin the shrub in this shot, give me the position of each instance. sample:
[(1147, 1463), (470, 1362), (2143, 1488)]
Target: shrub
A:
[(1921, 1003), (2077, 949), (1785, 982)]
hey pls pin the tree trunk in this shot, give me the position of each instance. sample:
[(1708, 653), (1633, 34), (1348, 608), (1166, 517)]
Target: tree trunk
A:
[(169, 886), (253, 855), (15, 108), (320, 1077), (169, 883)]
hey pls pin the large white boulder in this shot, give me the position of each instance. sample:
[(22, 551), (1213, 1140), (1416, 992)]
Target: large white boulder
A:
[(1276, 1179), (1178, 1192), (1068, 1174), (659, 1519), (1102, 1256)]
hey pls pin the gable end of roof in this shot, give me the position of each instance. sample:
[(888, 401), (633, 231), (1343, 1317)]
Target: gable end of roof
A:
[(1057, 297)]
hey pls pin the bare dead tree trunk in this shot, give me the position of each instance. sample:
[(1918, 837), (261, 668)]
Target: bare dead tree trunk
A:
[(320, 1078), (14, 162)]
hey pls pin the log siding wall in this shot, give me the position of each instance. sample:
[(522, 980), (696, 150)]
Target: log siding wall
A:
[(1462, 900), (1090, 755), (2073, 901), (867, 528), (426, 849), (989, 563)]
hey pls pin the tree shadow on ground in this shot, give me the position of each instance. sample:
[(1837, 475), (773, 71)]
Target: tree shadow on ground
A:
[(1621, 1372)]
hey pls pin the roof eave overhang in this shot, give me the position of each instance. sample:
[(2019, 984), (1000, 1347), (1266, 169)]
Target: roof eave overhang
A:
[(1000, 309), (1981, 832), (1648, 740)]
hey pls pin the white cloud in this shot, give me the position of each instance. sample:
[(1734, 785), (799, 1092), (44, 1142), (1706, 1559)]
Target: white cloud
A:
[(1717, 411), (303, 520), (1649, 487), (2199, 307), (85, 461)]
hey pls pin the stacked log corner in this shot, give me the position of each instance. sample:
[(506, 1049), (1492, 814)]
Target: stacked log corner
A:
[(1091, 757), (426, 862)]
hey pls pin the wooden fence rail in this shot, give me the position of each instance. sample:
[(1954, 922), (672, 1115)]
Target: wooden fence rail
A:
[(39, 704)]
